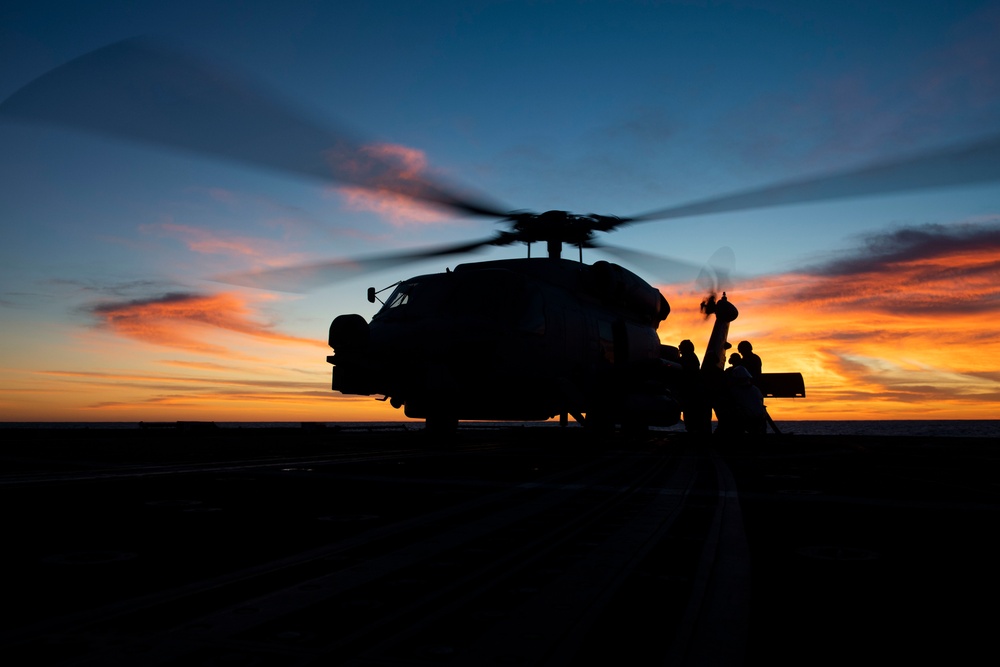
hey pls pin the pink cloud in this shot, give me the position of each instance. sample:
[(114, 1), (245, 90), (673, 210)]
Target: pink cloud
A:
[(388, 171), (398, 210)]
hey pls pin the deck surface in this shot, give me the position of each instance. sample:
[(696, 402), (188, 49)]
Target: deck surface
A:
[(512, 546)]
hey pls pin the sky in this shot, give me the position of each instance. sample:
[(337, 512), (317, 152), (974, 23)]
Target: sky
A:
[(886, 303)]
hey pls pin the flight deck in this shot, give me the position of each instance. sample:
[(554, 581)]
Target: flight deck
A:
[(510, 546)]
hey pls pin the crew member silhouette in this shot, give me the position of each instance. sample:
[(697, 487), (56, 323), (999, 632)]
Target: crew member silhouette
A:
[(750, 360), (735, 361), (689, 360), (752, 363), (695, 405)]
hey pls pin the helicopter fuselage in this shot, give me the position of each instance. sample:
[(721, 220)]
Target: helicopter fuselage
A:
[(517, 339)]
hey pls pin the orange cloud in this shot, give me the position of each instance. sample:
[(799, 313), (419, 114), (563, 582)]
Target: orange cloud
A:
[(180, 319), (903, 328)]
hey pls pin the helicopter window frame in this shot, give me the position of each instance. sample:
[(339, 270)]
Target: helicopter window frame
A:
[(400, 299), (414, 299), (397, 303)]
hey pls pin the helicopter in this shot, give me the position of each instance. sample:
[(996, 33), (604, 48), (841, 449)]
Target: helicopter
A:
[(530, 339), (514, 339), (521, 339)]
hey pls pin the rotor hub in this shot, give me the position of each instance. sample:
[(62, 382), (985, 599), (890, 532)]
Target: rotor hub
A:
[(558, 227)]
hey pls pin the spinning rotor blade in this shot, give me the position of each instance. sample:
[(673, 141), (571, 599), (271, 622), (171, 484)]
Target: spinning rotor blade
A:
[(305, 277), (978, 162), (715, 276), (142, 91), (667, 269)]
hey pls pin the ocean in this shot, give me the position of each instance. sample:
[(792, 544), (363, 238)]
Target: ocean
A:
[(972, 428)]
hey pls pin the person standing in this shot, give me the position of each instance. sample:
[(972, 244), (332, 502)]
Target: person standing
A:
[(751, 361), (695, 405)]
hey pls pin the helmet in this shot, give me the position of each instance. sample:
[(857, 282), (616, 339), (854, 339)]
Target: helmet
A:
[(744, 346)]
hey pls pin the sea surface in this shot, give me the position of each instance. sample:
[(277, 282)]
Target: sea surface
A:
[(972, 428)]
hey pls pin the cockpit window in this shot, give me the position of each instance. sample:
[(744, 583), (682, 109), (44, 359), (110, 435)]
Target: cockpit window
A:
[(399, 298)]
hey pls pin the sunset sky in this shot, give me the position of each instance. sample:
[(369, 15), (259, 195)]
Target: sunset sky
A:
[(888, 304)]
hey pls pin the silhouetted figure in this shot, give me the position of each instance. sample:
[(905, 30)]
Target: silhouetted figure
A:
[(741, 406), (688, 357), (750, 360), (735, 361), (695, 404), (752, 363)]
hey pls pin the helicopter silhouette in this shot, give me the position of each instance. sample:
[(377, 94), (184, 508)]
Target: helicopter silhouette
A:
[(522, 339)]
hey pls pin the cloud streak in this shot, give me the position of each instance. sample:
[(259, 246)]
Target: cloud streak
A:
[(941, 269), (187, 321), (261, 251), (223, 396)]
